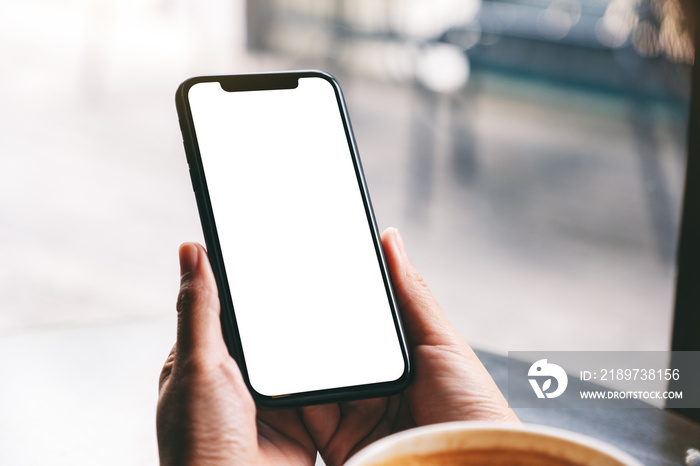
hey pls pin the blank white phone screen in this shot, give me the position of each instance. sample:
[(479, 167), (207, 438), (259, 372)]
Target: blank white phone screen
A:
[(305, 280)]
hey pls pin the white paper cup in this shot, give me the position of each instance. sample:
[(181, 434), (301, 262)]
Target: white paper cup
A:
[(567, 447)]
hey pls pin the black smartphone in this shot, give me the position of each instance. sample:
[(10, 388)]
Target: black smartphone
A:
[(307, 306)]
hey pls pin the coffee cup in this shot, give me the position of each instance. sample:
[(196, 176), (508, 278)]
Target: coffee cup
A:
[(480, 443)]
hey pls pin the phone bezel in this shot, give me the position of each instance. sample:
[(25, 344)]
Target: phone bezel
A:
[(270, 81)]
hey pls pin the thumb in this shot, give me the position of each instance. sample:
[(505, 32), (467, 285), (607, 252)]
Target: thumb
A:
[(422, 316), (198, 324)]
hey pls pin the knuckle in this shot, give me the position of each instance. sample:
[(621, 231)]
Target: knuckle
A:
[(199, 364), (201, 369), (185, 297), (193, 294), (417, 280), (165, 374)]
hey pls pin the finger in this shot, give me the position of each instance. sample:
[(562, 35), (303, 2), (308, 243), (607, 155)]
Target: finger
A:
[(422, 317), (427, 325), (283, 425), (338, 430), (321, 421), (198, 324)]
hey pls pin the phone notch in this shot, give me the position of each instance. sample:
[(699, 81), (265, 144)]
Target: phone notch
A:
[(258, 82)]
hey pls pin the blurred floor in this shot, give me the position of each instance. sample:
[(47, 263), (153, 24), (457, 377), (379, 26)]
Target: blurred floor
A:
[(542, 217)]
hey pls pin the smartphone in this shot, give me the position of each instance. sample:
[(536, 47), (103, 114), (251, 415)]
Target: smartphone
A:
[(307, 306)]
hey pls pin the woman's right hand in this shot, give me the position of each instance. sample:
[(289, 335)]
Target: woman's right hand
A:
[(449, 384)]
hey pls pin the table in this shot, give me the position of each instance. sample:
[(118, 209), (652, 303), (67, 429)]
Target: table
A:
[(653, 436)]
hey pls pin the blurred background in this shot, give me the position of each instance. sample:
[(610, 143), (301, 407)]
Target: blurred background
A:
[(532, 153)]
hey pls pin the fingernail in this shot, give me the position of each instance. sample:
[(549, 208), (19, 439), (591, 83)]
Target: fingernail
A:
[(189, 256), (399, 242)]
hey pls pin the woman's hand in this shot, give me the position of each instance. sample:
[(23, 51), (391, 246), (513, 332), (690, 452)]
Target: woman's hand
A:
[(206, 415), (450, 383)]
